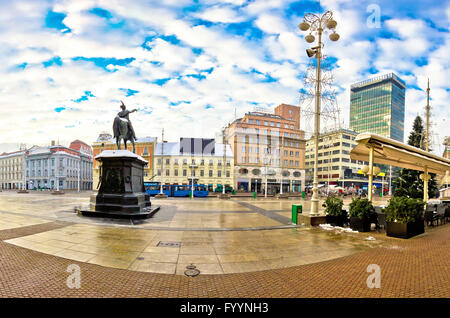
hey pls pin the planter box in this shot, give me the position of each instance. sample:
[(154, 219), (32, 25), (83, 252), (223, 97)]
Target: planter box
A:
[(360, 225), (405, 230), (337, 220)]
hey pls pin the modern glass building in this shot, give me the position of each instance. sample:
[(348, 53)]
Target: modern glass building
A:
[(377, 105)]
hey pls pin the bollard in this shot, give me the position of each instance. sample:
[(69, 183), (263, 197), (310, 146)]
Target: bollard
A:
[(296, 209)]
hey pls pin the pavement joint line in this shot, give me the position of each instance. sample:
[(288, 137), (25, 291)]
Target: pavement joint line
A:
[(276, 217)]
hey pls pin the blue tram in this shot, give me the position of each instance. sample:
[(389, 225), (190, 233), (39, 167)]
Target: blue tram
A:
[(176, 190)]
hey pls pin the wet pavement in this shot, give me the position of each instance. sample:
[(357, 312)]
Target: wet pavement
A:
[(217, 236)]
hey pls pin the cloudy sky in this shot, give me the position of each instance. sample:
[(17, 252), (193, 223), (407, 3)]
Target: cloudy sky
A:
[(189, 65)]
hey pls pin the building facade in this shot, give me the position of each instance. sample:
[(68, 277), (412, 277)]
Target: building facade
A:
[(377, 105), (11, 170), (198, 160), (335, 167), (144, 147), (268, 148), (59, 168)]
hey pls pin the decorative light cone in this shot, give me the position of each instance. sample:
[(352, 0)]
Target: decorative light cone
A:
[(334, 36), (304, 26), (310, 38), (376, 170), (422, 176), (365, 169), (331, 24)]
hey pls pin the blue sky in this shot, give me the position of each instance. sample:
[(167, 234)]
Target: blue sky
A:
[(189, 65)]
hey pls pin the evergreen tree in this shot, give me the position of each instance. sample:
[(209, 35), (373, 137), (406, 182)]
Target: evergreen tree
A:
[(408, 182)]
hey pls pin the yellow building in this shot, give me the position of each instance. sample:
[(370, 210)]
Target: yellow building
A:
[(144, 148), (334, 163), (200, 160)]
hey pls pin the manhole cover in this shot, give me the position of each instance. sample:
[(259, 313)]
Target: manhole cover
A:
[(169, 244), (140, 258), (191, 271)]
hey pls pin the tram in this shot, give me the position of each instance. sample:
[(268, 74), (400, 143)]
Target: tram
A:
[(176, 190)]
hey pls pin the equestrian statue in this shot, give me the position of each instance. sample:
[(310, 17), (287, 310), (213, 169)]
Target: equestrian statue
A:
[(122, 127)]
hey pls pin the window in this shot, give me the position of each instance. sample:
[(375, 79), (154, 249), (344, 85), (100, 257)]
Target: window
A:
[(176, 172), (296, 163), (167, 161), (210, 162), (176, 161), (228, 174), (297, 153), (202, 173), (291, 162), (185, 161), (266, 123), (243, 148), (292, 126), (219, 173), (257, 122), (243, 159), (210, 173), (159, 172), (285, 152), (250, 121), (167, 172), (184, 172)]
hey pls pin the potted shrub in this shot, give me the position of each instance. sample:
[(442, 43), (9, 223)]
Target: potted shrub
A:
[(404, 217), (333, 208), (360, 212)]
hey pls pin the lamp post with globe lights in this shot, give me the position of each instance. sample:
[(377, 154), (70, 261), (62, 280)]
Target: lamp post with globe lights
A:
[(317, 24)]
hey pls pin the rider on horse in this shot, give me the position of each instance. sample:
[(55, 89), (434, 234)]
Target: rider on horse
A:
[(125, 114), (127, 132)]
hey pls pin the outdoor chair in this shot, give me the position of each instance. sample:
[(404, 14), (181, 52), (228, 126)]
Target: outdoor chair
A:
[(430, 217), (381, 220), (447, 213)]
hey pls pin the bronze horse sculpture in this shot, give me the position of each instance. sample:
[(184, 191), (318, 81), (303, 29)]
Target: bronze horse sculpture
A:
[(122, 128)]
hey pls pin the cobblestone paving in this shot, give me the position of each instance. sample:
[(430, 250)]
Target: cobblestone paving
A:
[(418, 267)]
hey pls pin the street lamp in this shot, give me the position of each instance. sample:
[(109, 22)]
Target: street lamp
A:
[(316, 24)]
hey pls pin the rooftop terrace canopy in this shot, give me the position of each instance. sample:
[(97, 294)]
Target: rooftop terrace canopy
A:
[(394, 153)]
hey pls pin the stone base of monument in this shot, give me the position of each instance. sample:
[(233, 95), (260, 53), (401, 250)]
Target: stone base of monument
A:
[(57, 192), (161, 196), (224, 196), (22, 191), (121, 193)]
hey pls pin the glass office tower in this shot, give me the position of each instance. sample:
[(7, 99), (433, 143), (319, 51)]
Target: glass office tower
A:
[(377, 105)]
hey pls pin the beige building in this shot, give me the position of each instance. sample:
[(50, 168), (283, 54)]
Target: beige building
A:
[(200, 160), (268, 147), (12, 167), (334, 163)]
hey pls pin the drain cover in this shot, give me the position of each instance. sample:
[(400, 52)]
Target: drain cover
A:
[(169, 244), (191, 271), (140, 258)]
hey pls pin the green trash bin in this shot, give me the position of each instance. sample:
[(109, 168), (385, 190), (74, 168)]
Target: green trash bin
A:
[(254, 195), (303, 194), (296, 210)]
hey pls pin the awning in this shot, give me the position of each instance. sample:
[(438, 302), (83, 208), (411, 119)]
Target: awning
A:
[(394, 153)]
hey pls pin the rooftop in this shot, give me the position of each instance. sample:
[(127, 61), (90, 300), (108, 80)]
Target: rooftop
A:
[(379, 79)]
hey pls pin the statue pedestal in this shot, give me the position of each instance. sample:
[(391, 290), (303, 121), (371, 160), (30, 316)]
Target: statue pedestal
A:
[(121, 191)]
